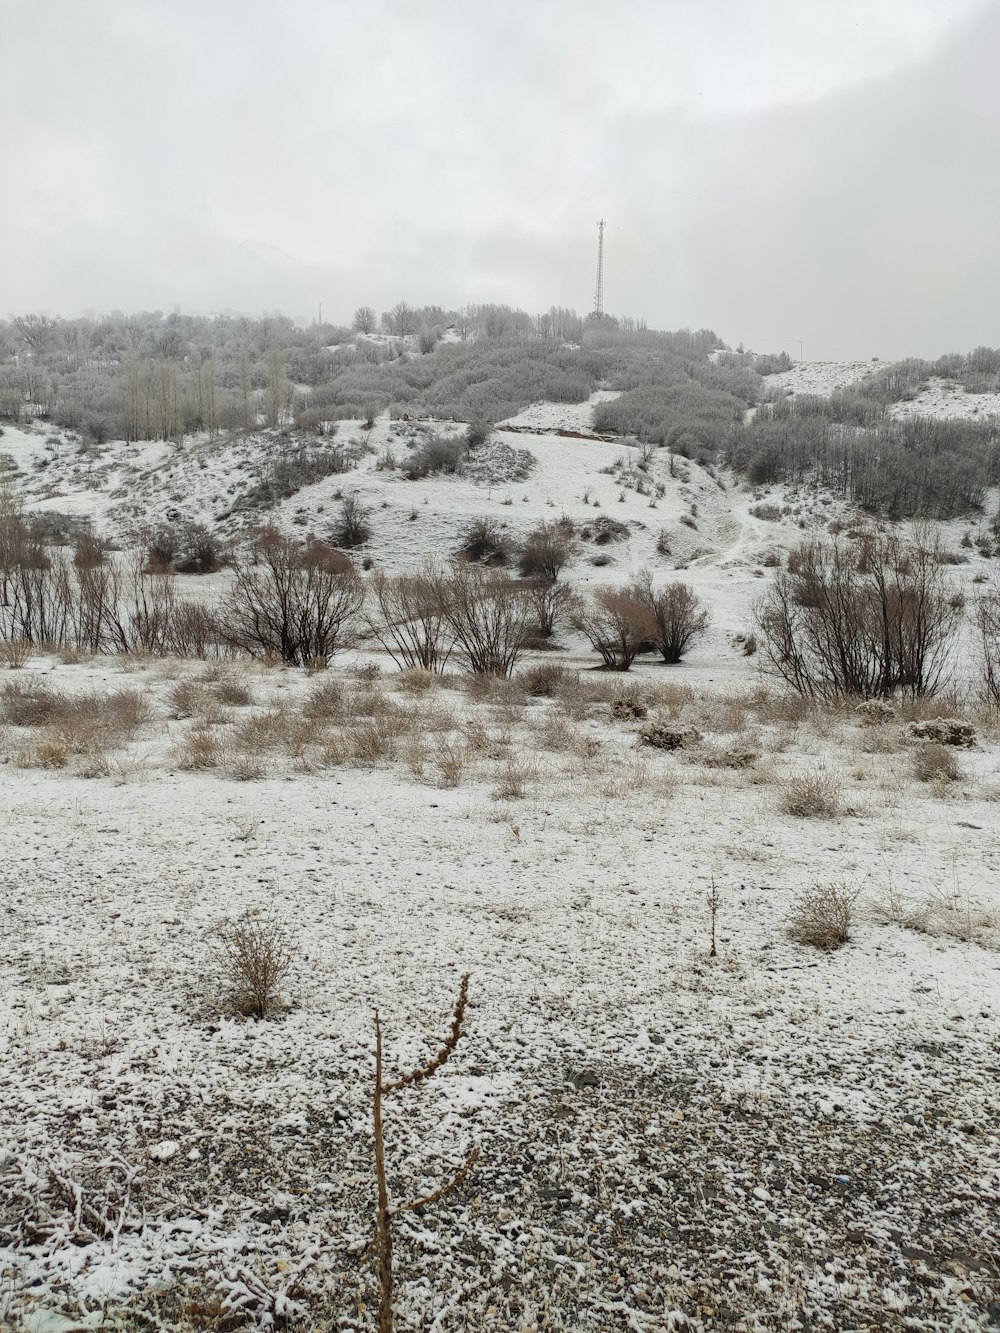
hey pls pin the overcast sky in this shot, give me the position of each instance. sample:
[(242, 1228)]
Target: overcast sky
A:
[(825, 170)]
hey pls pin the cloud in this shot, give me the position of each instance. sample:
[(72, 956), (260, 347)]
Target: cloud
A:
[(776, 171)]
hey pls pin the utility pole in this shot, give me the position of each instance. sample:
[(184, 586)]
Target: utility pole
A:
[(599, 289), (801, 345)]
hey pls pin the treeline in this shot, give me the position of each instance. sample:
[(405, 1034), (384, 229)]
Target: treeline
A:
[(155, 376), (919, 467)]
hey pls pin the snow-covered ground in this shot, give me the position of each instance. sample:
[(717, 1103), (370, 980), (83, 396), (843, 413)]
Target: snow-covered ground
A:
[(667, 1140), (770, 1138)]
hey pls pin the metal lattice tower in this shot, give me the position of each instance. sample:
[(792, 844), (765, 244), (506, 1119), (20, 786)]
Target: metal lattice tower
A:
[(599, 289)]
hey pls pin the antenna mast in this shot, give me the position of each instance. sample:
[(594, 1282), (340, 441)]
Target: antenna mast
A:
[(599, 289)]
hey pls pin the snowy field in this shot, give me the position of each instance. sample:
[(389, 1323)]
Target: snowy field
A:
[(769, 1137)]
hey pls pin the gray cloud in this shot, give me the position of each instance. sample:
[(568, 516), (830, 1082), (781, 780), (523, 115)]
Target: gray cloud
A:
[(776, 171)]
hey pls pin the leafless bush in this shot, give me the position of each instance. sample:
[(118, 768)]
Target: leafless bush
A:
[(353, 527), (822, 917), (544, 679), (865, 618), (812, 795), (875, 712), (294, 603), (488, 616), (409, 620), (324, 702), (945, 731), (198, 748), (552, 604), (253, 954), (546, 552), (617, 626), (663, 736), (678, 614), (936, 763), (485, 541), (14, 653)]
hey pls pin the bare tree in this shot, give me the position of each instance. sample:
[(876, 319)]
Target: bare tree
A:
[(37, 332), (365, 319), (678, 611), (401, 319), (297, 603), (617, 626)]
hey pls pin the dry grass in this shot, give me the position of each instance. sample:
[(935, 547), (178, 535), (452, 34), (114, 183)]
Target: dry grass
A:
[(822, 916), (14, 653), (198, 749), (513, 778), (324, 702), (935, 763), (813, 794)]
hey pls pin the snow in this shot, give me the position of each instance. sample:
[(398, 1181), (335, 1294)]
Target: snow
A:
[(667, 1139), (639, 1106)]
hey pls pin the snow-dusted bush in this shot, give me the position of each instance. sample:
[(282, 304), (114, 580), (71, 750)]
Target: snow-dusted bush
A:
[(252, 957), (822, 917)]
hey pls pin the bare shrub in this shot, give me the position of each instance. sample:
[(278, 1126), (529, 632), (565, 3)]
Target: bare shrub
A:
[(233, 692), (629, 708), (936, 763), (353, 527), (14, 653), (512, 779), (546, 552), (875, 712), (253, 954), (617, 625), (822, 917), (436, 454), (544, 679), (199, 748), (324, 702), (864, 618), (678, 613), (552, 604), (484, 541), (417, 680), (409, 620), (738, 755), (450, 760), (488, 616), (30, 705), (291, 602), (812, 795)]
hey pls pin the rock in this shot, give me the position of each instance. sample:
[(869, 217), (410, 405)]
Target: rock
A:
[(164, 1150)]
